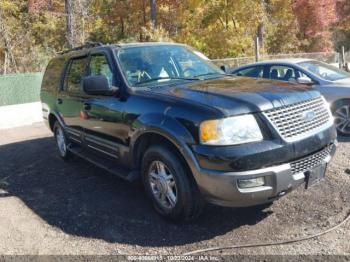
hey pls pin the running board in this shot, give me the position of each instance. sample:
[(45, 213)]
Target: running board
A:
[(105, 163)]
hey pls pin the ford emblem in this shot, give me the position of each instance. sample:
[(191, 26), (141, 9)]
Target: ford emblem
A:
[(309, 116)]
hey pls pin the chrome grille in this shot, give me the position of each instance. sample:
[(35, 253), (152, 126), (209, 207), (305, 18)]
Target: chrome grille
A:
[(291, 122), (311, 161)]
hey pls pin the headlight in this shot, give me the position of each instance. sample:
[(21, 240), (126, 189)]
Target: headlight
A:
[(230, 131)]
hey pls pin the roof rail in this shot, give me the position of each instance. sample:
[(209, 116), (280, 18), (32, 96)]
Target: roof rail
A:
[(86, 45)]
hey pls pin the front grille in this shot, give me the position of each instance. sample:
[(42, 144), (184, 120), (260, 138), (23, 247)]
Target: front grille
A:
[(291, 121), (311, 161)]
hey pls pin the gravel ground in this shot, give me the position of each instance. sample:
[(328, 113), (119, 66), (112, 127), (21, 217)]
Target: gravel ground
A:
[(48, 206)]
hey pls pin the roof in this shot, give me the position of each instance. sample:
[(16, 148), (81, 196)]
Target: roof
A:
[(88, 46), (137, 44), (279, 61), (285, 61)]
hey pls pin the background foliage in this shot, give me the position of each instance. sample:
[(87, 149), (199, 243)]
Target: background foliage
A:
[(32, 31)]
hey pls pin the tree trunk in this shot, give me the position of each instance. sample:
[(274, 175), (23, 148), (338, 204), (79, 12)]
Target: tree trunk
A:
[(260, 35), (153, 13), (9, 59), (144, 12), (4, 71), (122, 26), (69, 23)]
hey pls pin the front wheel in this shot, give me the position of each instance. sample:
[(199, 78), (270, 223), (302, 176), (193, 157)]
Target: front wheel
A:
[(342, 118), (170, 185), (61, 141)]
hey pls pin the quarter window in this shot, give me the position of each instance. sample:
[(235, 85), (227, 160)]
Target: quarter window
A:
[(99, 66), (76, 71), (53, 74)]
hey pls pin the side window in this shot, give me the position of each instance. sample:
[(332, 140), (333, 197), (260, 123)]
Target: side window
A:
[(76, 71), (301, 74), (283, 73), (257, 72), (53, 73), (99, 66)]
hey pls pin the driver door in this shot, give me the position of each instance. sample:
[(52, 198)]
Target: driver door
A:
[(103, 114)]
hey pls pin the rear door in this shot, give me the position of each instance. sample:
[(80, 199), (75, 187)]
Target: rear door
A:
[(70, 98)]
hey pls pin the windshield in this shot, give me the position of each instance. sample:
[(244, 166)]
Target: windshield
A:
[(146, 65), (325, 71)]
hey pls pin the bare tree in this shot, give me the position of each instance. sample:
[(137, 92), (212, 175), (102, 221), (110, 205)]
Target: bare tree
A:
[(9, 59), (81, 11), (144, 12), (70, 34), (153, 13)]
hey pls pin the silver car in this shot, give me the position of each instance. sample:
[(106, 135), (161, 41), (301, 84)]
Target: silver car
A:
[(332, 82)]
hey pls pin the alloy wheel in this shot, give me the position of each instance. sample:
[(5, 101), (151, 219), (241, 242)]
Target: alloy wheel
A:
[(342, 119), (61, 141), (163, 184)]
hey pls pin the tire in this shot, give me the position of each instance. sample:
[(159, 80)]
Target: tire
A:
[(341, 113), (61, 141), (173, 179)]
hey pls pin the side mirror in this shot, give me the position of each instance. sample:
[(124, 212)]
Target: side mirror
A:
[(305, 81), (97, 85), (225, 68)]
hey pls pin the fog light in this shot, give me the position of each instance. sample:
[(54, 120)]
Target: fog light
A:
[(254, 182)]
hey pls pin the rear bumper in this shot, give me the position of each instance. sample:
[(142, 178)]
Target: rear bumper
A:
[(222, 188)]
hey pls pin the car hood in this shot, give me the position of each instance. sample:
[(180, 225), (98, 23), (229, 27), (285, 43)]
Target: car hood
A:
[(240, 95), (345, 82)]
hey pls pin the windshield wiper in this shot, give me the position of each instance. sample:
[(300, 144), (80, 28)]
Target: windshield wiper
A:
[(209, 74), (168, 77)]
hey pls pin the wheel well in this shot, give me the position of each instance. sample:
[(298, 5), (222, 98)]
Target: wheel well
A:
[(339, 102), (148, 139), (52, 120)]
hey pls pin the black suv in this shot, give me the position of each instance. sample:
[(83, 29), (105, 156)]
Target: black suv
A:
[(163, 113)]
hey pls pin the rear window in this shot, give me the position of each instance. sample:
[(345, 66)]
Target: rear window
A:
[(53, 74), (257, 72)]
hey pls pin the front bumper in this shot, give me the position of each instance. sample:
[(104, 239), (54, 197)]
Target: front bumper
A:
[(222, 188)]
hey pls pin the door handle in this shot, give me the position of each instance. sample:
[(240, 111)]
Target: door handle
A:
[(87, 106), (59, 101)]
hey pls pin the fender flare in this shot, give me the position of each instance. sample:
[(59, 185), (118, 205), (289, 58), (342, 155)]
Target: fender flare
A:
[(169, 128), (58, 117)]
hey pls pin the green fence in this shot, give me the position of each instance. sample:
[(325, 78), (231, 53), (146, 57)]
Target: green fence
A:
[(20, 88)]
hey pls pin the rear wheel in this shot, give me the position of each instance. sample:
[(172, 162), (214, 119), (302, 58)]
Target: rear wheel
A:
[(170, 185), (341, 115), (61, 141)]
